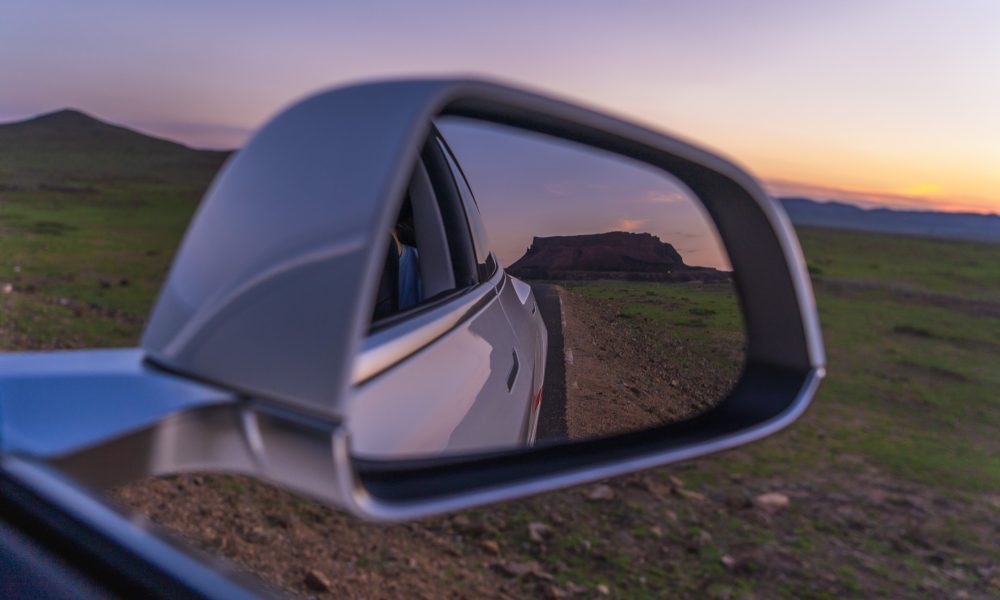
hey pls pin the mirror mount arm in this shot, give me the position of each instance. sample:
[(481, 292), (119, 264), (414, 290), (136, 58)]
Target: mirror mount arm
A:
[(109, 417)]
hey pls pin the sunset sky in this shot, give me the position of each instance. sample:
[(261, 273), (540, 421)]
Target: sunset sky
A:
[(529, 185), (893, 102)]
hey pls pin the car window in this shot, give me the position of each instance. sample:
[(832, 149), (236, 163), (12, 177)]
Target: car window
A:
[(401, 284), (429, 254), (485, 261)]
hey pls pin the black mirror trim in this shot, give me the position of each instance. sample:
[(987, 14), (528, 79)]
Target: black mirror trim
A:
[(764, 395), (785, 358)]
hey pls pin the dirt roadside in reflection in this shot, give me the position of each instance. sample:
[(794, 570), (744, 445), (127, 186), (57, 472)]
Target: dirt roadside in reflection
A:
[(620, 378)]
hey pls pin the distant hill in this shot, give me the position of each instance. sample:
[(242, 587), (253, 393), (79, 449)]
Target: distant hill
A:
[(839, 215), (611, 255), (69, 147)]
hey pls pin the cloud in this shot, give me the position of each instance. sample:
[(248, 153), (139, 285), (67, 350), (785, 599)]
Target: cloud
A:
[(666, 196), (631, 224), (921, 189), (554, 188)]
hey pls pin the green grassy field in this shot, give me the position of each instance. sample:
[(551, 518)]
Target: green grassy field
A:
[(916, 364), (913, 348), (895, 469), (703, 315), (90, 216)]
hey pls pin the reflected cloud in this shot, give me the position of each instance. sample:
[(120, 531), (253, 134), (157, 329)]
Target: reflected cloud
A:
[(632, 225), (561, 188), (574, 187), (666, 196)]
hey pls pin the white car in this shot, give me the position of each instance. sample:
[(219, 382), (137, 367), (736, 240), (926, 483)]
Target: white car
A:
[(492, 356)]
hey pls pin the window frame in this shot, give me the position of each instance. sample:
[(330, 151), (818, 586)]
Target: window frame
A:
[(457, 230), (487, 265)]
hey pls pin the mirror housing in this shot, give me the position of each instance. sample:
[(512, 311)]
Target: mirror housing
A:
[(785, 358), (250, 307)]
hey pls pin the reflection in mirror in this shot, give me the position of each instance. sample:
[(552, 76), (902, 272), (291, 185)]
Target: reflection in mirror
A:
[(592, 297)]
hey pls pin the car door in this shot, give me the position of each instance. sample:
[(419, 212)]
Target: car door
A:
[(519, 308), (518, 305), (463, 381)]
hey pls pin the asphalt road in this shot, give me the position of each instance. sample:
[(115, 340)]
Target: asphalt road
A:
[(552, 420)]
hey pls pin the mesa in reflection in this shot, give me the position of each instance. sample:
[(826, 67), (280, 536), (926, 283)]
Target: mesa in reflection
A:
[(646, 339)]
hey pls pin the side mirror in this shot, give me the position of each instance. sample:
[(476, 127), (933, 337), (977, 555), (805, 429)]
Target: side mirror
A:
[(269, 305)]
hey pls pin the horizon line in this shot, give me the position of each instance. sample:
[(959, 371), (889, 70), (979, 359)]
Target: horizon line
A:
[(862, 199)]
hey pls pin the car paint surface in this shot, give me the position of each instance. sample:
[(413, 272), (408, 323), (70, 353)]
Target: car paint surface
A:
[(452, 395), (55, 403)]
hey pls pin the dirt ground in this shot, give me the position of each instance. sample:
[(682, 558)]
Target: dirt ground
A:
[(619, 379), (644, 536), (745, 527)]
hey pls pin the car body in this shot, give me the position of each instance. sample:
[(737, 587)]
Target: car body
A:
[(494, 360)]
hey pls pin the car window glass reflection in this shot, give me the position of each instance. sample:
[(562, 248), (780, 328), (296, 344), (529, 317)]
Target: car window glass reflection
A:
[(404, 241), (400, 286)]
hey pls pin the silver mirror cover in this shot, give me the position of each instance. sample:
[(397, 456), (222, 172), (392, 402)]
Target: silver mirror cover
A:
[(271, 290), (267, 293)]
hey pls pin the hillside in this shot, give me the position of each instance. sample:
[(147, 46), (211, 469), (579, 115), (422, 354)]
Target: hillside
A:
[(611, 255), (91, 214), (73, 151), (839, 215)]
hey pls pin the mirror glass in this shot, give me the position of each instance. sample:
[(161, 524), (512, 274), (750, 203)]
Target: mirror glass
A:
[(581, 294)]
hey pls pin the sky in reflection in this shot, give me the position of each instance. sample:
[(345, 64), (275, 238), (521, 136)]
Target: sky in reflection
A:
[(530, 185)]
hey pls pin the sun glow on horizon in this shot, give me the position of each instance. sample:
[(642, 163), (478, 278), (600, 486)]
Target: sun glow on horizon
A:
[(914, 198), (921, 189)]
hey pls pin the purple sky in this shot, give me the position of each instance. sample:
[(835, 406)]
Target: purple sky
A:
[(893, 102), (530, 185)]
